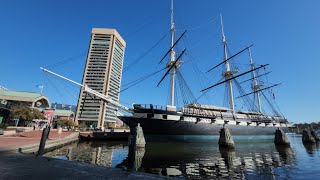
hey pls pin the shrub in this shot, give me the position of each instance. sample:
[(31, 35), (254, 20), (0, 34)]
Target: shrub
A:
[(3, 126)]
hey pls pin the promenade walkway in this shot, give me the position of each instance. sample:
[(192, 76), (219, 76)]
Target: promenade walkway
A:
[(31, 139), (28, 166)]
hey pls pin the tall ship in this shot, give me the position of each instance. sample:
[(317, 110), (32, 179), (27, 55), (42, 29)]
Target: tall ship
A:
[(195, 120)]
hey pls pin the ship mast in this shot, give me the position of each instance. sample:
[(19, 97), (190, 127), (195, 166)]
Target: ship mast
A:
[(172, 58), (255, 85), (228, 74)]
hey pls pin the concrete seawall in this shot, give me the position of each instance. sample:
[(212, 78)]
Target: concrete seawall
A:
[(29, 142), (26, 166), (51, 145)]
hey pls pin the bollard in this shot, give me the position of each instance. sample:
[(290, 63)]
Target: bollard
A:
[(225, 139), (136, 137), (281, 138), (314, 135), (286, 153), (44, 137), (228, 156), (136, 147), (140, 142), (307, 137), (135, 156)]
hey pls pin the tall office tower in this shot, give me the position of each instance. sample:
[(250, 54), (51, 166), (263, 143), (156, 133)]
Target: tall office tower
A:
[(102, 73)]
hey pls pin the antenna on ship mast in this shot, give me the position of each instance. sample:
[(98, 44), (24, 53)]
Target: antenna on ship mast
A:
[(255, 85), (228, 74), (172, 58)]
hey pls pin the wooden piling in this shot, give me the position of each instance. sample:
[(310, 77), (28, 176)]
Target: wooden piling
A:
[(307, 137), (136, 137), (44, 137), (281, 138), (225, 139), (314, 135)]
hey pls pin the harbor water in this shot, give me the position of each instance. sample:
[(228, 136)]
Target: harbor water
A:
[(251, 159)]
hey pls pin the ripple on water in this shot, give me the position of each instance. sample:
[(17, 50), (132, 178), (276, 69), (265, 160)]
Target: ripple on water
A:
[(203, 160)]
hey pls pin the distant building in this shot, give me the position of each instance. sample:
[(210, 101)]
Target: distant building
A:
[(64, 106), (4, 111), (27, 99), (103, 72), (8, 99), (63, 114)]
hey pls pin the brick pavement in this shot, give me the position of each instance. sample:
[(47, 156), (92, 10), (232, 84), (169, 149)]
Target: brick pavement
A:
[(27, 138)]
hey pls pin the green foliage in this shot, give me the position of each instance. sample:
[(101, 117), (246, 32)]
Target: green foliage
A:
[(66, 123), (82, 126), (3, 126), (26, 113), (313, 125)]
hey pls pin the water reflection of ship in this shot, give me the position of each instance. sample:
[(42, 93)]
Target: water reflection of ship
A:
[(311, 147), (191, 160), (133, 160), (98, 153), (286, 154)]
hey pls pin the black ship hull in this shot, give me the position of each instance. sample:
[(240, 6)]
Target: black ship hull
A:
[(160, 129)]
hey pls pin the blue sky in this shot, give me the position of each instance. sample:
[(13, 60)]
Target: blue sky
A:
[(285, 34)]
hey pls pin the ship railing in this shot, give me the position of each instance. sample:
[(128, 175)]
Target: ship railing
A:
[(198, 112), (149, 106), (262, 118), (267, 119)]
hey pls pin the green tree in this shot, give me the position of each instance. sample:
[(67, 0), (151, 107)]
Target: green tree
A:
[(26, 113), (67, 123)]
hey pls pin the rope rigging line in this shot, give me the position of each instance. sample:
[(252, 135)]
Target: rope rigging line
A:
[(225, 96), (233, 77), (232, 64), (205, 92), (198, 73), (200, 26), (275, 112), (58, 91), (73, 58), (138, 30), (135, 82), (188, 95), (200, 41), (176, 96), (168, 93), (143, 77), (241, 91), (182, 91), (66, 86), (247, 101), (125, 69), (278, 108)]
